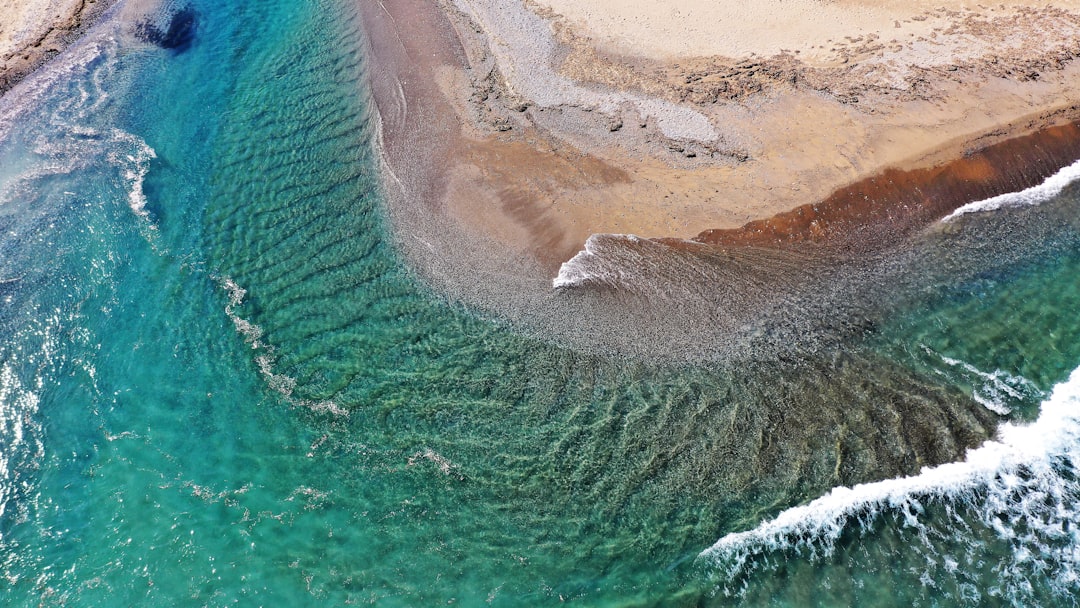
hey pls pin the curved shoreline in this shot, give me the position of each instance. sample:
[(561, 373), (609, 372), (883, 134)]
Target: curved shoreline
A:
[(490, 192), (882, 210)]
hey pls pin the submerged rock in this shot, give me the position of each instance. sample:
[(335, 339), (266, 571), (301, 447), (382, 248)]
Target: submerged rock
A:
[(177, 36)]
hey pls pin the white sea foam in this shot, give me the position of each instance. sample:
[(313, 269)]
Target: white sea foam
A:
[(595, 264), (64, 101), (252, 333), (265, 357), (83, 63), (995, 389), (72, 149), (1032, 196), (1015, 484), (576, 271), (132, 155)]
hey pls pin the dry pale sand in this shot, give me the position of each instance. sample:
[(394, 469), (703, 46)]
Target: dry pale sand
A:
[(813, 29), (513, 130)]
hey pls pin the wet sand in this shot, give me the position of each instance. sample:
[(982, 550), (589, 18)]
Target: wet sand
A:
[(878, 212), (524, 161)]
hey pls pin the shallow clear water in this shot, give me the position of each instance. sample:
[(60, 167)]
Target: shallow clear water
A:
[(219, 382)]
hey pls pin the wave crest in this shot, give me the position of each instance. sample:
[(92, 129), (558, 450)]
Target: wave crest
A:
[(1023, 487), (1035, 195)]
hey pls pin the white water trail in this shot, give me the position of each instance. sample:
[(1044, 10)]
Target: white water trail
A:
[(1022, 486), (52, 125), (265, 357), (595, 264), (993, 390), (1035, 195), (132, 156)]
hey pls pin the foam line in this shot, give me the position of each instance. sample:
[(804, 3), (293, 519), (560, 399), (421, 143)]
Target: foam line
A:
[(595, 264), (998, 387), (1023, 456), (1032, 196), (265, 357), (575, 271)]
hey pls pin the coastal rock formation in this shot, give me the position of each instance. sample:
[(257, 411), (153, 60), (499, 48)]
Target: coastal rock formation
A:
[(33, 31)]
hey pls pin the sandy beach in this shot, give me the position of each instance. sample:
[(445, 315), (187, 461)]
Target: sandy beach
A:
[(33, 31), (666, 119)]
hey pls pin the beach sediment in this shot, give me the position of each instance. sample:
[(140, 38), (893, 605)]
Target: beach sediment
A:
[(34, 31), (510, 136), (880, 211)]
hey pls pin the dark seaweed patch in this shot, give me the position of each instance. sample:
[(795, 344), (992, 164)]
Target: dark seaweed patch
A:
[(177, 37)]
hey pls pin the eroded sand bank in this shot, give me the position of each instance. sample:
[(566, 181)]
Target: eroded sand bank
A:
[(512, 132), (556, 137)]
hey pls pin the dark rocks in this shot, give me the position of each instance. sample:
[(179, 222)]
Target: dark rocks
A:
[(177, 36)]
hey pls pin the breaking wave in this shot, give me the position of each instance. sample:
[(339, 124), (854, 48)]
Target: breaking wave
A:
[(1032, 196), (599, 263), (1022, 487)]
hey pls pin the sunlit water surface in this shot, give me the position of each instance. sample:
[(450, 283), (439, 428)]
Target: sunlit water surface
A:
[(219, 382)]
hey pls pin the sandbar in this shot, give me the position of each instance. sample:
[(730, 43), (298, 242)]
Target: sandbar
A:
[(534, 124)]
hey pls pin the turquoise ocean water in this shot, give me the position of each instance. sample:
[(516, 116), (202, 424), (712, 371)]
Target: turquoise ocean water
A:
[(220, 383)]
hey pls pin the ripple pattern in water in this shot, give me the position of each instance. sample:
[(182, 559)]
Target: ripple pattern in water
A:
[(237, 391)]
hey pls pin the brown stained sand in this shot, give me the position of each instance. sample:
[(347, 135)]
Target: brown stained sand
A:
[(491, 191), (878, 211)]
